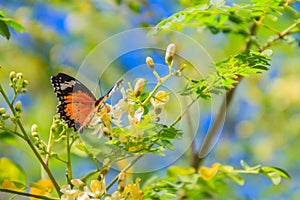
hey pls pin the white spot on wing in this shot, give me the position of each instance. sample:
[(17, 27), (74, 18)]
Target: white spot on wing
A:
[(66, 85)]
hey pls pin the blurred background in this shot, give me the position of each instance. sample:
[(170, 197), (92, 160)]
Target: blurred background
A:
[(262, 125)]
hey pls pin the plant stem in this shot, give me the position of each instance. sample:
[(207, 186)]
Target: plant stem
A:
[(279, 36), (183, 113), (31, 145), (199, 157), (14, 132), (198, 160), (69, 164), (123, 171), (49, 145), (89, 174), (26, 194), (246, 172), (159, 83)]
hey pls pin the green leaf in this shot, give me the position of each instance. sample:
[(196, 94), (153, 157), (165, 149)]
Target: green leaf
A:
[(175, 171), (274, 174), (248, 168), (227, 168), (15, 25), (236, 178), (11, 171), (134, 6), (274, 177), (4, 29), (226, 74)]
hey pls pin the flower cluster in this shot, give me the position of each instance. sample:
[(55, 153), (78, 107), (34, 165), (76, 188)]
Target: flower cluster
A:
[(135, 106), (97, 190), (81, 191)]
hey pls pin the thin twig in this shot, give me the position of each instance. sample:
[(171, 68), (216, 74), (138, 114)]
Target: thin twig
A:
[(279, 36), (26, 194), (69, 162), (123, 171)]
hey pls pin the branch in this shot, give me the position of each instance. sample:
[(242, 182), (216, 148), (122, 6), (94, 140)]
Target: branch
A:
[(26, 194), (123, 171), (279, 36), (215, 128), (199, 157), (31, 145)]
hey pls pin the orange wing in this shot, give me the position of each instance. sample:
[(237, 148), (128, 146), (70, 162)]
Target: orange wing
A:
[(77, 104), (76, 101)]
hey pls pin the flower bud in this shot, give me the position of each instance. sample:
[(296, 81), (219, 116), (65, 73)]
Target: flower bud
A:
[(19, 75), (77, 182), (34, 128), (12, 75), (25, 83), (170, 53), (150, 62), (139, 86), (18, 106), (2, 111), (121, 181), (5, 116), (35, 134)]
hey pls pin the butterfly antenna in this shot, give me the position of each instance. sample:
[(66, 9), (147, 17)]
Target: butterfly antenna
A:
[(99, 84)]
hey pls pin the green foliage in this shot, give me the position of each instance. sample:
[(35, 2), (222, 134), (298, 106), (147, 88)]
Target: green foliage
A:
[(227, 74), (218, 17), (144, 134), (207, 182), (5, 23), (11, 171), (154, 138)]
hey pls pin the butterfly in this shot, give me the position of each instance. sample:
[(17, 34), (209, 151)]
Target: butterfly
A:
[(77, 104)]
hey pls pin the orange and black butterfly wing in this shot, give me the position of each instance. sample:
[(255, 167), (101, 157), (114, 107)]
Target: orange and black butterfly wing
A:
[(76, 101)]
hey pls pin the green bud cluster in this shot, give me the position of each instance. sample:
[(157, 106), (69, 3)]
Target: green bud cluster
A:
[(3, 117), (17, 82)]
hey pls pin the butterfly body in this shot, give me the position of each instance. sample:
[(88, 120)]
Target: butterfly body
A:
[(77, 104)]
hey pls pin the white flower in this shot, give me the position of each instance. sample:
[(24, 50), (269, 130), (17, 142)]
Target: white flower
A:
[(83, 196), (160, 99), (137, 116), (68, 193), (170, 53), (120, 108)]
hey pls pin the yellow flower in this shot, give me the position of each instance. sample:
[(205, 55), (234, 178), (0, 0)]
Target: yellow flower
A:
[(97, 188), (41, 187), (136, 148), (133, 189), (8, 185), (159, 100), (208, 173), (115, 196)]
